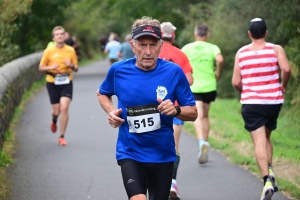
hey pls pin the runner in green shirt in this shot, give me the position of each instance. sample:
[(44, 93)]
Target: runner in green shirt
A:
[(50, 44), (204, 58)]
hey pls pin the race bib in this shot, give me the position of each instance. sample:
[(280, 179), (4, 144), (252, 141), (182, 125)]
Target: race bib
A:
[(61, 79), (143, 119)]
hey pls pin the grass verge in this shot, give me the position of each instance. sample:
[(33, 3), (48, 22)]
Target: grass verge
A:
[(229, 137)]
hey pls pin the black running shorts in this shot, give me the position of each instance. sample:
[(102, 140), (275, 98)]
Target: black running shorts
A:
[(256, 116), (138, 177), (206, 97), (113, 60), (57, 91)]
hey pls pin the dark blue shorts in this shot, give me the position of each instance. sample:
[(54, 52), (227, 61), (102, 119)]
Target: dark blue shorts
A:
[(177, 121)]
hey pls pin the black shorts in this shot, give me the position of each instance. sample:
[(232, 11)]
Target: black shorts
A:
[(57, 91), (113, 60), (138, 177), (256, 116), (206, 97)]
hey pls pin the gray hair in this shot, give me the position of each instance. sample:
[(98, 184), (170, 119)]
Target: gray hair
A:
[(128, 37), (145, 21), (201, 30)]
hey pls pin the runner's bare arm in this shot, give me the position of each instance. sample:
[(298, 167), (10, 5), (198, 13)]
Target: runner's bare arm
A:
[(72, 66), (284, 66), (105, 102), (47, 68), (219, 64), (75, 68), (189, 77), (73, 63), (188, 113), (236, 77), (108, 106)]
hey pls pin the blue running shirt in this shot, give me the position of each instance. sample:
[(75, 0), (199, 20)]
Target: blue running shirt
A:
[(146, 135)]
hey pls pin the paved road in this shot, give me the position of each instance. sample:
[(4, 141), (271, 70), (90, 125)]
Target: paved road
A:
[(87, 169)]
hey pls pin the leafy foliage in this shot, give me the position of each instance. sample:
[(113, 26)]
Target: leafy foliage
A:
[(9, 11), (228, 21), (25, 26), (35, 28)]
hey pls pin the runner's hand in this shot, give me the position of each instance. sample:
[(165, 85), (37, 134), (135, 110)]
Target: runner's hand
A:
[(166, 107), (68, 63), (54, 66), (283, 89), (113, 118)]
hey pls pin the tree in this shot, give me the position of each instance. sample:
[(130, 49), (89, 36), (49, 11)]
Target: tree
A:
[(36, 26), (9, 12)]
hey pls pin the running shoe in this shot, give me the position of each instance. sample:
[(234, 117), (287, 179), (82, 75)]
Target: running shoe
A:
[(203, 154), (53, 127), (62, 142), (273, 180), (174, 192), (267, 191)]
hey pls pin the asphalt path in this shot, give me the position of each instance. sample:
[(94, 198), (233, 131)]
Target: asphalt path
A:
[(87, 168)]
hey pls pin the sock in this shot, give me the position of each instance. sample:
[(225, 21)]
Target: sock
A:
[(61, 136), (265, 178), (201, 141), (54, 119), (175, 166), (270, 166), (174, 181)]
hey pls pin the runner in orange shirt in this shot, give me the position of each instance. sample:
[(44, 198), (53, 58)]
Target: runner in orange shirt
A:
[(59, 61)]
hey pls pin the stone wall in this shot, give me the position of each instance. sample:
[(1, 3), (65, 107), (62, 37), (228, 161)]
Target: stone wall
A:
[(15, 77)]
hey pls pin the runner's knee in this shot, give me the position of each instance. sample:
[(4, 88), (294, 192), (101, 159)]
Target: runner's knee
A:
[(64, 108)]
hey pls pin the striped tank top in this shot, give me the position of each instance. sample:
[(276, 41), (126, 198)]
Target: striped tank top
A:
[(260, 76)]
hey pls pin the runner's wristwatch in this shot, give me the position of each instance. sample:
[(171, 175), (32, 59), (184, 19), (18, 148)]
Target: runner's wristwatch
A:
[(178, 110)]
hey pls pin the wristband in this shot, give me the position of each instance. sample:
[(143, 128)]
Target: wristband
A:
[(178, 110)]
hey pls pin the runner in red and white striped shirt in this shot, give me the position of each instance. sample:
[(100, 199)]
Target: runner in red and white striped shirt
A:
[(256, 77), (260, 77)]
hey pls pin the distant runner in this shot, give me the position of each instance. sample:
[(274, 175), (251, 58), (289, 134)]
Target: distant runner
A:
[(59, 61), (203, 57), (113, 48), (126, 51)]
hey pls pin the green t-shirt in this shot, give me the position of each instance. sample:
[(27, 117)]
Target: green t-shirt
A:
[(50, 44), (202, 58)]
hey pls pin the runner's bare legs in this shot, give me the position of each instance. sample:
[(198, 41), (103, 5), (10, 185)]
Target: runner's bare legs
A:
[(202, 127), (201, 124), (64, 111)]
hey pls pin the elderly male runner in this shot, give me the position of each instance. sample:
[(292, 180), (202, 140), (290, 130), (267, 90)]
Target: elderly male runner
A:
[(59, 61), (173, 54), (256, 77), (146, 87)]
